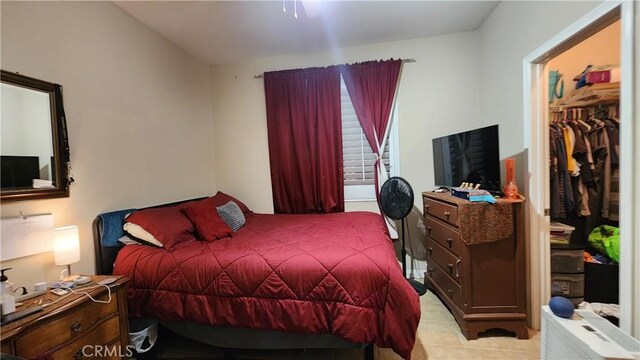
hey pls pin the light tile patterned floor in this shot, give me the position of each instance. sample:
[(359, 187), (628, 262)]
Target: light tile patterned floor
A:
[(438, 337)]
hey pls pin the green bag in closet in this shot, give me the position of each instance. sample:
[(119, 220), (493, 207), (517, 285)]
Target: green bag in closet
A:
[(555, 78), (606, 239)]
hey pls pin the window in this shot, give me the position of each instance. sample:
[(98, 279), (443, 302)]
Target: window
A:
[(358, 158)]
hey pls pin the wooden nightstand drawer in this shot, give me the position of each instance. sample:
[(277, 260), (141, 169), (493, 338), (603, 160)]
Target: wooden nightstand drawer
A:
[(441, 210), (449, 263), (68, 327), (106, 333), (72, 322), (446, 236)]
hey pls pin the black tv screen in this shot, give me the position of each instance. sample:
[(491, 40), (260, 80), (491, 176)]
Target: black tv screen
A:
[(18, 172), (471, 156)]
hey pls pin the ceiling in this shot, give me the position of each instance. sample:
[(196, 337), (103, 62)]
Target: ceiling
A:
[(228, 31)]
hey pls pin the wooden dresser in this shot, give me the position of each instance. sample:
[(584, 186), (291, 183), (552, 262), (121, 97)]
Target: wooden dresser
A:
[(62, 329), (476, 262)]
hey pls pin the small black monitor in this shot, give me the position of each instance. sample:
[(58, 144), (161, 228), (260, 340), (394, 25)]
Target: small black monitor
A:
[(18, 172), (471, 156)]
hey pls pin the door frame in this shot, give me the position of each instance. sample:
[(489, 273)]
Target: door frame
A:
[(536, 144)]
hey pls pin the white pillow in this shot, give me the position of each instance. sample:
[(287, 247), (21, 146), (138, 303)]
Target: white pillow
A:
[(138, 232)]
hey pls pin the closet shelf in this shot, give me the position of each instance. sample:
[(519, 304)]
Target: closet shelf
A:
[(589, 96)]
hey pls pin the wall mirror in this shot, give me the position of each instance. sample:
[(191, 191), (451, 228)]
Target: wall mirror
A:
[(34, 148)]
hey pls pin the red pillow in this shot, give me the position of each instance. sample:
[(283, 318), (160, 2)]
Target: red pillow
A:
[(221, 198), (167, 224), (206, 220)]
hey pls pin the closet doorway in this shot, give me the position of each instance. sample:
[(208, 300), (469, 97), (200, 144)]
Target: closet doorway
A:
[(584, 177), (619, 103)]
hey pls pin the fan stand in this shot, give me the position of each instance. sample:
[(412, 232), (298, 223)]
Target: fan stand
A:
[(419, 287)]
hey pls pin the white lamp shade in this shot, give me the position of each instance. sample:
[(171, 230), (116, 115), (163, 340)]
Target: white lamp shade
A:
[(67, 245)]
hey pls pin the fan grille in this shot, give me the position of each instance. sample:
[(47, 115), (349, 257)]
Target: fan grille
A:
[(396, 198)]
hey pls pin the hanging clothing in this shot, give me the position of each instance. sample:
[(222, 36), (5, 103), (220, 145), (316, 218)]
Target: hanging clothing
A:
[(614, 140), (584, 156), (554, 175), (565, 192), (600, 146), (612, 128), (581, 194), (569, 142), (614, 196)]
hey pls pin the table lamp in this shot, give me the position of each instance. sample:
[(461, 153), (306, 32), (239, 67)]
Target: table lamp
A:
[(67, 246)]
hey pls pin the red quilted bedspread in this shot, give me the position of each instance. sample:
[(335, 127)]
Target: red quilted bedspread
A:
[(334, 273)]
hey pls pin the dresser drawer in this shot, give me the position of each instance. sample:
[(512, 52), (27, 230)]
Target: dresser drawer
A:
[(93, 343), (6, 348), (445, 285), (446, 236), (68, 327), (441, 210), (449, 263)]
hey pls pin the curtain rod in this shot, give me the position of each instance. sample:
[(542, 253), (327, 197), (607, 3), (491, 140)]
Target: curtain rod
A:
[(403, 61)]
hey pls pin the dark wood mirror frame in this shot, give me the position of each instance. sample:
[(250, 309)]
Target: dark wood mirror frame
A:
[(59, 140)]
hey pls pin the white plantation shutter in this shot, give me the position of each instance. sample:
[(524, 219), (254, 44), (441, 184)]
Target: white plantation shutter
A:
[(358, 157)]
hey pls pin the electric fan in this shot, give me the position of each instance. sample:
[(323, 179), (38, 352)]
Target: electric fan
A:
[(396, 201)]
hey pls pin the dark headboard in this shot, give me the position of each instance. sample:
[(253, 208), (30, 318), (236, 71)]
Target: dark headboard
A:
[(106, 256)]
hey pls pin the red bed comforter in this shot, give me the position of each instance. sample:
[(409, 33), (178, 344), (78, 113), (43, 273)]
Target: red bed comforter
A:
[(334, 273)]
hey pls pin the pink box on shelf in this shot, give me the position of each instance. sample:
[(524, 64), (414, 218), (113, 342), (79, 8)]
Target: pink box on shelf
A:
[(603, 76)]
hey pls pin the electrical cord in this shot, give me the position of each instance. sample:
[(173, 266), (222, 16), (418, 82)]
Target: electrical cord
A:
[(91, 297), (413, 260), (72, 291)]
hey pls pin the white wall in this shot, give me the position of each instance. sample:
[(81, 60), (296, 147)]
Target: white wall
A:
[(512, 31), (438, 95), (138, 111)]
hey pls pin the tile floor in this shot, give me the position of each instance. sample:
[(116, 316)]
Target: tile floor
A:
[(438, 337)]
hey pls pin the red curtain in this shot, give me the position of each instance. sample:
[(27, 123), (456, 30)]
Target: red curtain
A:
[(305, 140), (372, 87)]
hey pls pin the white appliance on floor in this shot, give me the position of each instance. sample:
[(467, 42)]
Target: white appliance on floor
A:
[(584, 336)]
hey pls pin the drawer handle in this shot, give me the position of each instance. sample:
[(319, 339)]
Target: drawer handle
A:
[(450, 242), (427, 207), (447, 214), (450, 266), (429, 271), (79, 355), (76, 326), (429, 229), (430, 250), (458, 268), (450, 291)]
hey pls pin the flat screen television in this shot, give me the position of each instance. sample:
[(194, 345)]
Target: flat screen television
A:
[(18, 172), (471, 156)]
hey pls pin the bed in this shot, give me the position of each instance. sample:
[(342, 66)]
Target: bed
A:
[(280, 281)]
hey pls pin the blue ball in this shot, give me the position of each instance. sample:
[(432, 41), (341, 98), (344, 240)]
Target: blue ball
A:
[(561, 306)]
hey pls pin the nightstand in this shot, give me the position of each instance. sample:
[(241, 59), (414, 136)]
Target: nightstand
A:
[(73, 327)]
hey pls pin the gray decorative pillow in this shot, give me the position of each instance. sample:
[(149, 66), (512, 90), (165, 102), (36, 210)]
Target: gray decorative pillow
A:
[(232, 215)]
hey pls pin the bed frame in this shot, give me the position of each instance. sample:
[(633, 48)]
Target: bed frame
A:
[(227, 337)]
